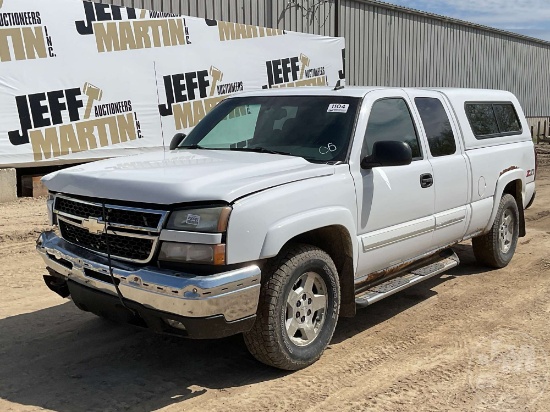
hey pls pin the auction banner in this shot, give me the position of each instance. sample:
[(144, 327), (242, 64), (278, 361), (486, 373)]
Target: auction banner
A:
[(82, 81)]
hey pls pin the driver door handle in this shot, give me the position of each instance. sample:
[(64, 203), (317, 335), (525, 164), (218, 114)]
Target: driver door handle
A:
[(426, 180)]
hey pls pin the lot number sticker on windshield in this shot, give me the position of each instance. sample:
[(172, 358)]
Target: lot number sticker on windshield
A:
[(338, 108)]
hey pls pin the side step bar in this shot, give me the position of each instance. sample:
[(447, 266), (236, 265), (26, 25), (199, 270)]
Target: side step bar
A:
[(406, 280)]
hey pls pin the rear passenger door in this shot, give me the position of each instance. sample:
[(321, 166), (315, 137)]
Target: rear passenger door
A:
[(450, 168)]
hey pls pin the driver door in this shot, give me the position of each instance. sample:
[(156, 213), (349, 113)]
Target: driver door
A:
[(395, 204)]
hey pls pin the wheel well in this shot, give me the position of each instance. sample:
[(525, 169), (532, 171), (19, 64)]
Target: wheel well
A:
[(514, 188), (336, 241)]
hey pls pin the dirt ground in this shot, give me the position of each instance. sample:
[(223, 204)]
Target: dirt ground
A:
[(471, 339)]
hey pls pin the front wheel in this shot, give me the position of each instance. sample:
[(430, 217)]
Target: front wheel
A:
[(298, 310), (496, 248)]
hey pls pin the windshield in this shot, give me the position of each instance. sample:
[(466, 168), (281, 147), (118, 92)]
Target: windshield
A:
[(317, 128)]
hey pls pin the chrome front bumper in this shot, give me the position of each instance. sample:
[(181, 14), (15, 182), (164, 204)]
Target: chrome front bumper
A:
[(233, 294)]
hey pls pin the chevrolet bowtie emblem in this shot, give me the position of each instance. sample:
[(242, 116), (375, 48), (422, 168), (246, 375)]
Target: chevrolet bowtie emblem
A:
[(94, 226)]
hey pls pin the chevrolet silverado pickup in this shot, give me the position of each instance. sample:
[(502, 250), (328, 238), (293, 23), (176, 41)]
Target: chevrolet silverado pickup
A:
[(283, 210)]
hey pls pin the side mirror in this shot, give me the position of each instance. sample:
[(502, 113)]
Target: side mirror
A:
[(176, 140), (388, 153)]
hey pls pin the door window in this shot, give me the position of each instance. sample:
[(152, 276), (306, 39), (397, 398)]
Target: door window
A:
[(390, 119), (437, 126)]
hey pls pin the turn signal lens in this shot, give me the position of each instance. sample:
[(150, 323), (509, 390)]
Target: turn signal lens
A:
[(219, 255)]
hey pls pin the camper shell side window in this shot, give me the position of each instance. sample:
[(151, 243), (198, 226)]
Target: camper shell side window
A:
[(492, 119)]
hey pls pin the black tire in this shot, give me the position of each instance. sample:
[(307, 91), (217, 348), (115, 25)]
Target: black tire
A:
[(496, 248), (290, 278)]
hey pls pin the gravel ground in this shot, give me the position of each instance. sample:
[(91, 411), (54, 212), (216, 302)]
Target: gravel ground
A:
[(471, 339)]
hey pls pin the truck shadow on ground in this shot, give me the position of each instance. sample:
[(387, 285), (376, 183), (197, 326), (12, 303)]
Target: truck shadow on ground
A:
[(66, 360)]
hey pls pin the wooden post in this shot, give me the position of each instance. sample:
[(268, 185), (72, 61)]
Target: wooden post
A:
[(538, 131)]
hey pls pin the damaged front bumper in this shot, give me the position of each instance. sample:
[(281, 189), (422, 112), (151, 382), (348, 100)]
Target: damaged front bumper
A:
[(164, 300)]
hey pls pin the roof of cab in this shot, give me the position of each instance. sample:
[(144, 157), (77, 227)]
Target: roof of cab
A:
[(360, 91), (352, 91)]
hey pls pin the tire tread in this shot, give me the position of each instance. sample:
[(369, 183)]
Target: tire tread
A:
[(486, 247), (262, 339)]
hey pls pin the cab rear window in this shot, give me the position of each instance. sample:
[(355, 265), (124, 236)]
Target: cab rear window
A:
[(493, 119)]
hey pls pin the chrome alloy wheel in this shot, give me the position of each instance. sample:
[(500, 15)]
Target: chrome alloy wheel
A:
[(506, 231), (306, 307)]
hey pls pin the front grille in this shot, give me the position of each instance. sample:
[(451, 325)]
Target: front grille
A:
[(133, 232), (114, 214), (126, 247)]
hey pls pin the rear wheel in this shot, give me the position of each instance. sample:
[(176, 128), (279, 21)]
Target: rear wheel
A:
[(496, 248), (298, 310)]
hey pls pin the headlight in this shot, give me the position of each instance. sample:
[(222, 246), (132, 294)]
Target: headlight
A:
[(209, 220), (192, 253)]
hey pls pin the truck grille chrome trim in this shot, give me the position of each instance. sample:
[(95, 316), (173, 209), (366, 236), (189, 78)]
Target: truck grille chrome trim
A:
[(133, 232), (122, 217)]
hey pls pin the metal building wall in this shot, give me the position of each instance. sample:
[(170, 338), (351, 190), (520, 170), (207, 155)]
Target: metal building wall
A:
[(393, 46), (308, 16)]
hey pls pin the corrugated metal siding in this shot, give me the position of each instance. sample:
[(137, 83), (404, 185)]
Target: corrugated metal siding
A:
[(397, 48), (308, 16), (392, 46), (241, 11)]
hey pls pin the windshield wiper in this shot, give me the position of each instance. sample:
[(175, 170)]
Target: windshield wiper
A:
[(255, 150), (259, 150)]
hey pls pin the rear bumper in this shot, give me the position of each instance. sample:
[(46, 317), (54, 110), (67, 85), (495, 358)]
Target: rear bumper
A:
[(206, 306)]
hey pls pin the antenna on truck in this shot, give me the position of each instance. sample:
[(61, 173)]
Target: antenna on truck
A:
[(339, 86)]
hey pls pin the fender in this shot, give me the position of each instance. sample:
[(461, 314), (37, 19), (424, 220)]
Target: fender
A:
[(503, 181), (289, 227)]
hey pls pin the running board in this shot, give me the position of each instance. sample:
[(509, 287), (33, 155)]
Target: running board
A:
[(408, 279)]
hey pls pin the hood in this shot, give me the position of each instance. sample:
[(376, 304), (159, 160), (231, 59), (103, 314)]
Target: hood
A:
[(183, 176)]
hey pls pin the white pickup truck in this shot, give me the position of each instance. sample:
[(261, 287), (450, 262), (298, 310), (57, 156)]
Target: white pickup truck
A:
[(285, 209)]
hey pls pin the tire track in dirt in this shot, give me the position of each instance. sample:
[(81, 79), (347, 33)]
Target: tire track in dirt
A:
[(314, 385), (538, 216), (339, 384)]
